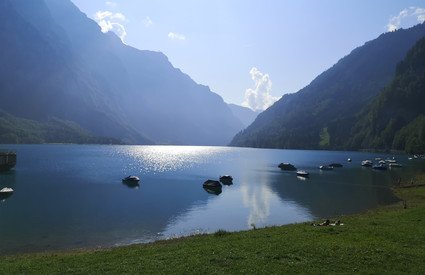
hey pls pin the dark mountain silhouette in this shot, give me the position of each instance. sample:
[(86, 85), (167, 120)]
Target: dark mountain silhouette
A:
[(15, 130), (244, 114), (396, 117), (322, 114), (55, 62)]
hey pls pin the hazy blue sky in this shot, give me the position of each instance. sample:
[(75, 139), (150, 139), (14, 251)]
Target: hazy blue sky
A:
[(227, 44)]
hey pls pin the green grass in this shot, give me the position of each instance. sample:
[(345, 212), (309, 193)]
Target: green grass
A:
[(390, 239)]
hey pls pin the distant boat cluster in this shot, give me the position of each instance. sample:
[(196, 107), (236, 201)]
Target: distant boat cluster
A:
[(377, 164), (302, 174), (381, 164)]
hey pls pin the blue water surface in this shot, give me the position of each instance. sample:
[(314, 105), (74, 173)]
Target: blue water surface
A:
[(72, 196)]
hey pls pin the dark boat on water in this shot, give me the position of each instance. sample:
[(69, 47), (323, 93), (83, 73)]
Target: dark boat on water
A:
[(226, 180), (287, 167), (213, 190), (212, 184), (7, 161), (213, 187), (131, 181)]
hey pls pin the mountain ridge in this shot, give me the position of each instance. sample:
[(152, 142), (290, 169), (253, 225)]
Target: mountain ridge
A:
[(77, 73), (320, 115)]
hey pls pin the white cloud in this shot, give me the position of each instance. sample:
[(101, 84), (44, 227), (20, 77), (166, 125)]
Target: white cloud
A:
[(147, 22), (259, 97), (406, 18), (109, 21), (176, 36)]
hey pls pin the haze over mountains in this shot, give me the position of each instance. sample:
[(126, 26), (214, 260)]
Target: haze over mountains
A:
[(245, 115), (56, 63), (324, 114)]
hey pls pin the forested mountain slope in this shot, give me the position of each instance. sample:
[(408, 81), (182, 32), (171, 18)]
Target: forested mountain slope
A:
[(322, 114)]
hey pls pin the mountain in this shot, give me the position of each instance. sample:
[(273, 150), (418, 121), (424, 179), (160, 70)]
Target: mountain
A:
[(321, 115), (18, 130), (55, 62), (396, 117), (244, 114)]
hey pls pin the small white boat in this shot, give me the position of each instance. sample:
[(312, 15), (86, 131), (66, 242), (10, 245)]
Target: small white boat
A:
[(6, 191), (349, 160), (302, 173), (390, 160), (395, 165), (325, 167), (382, 162)]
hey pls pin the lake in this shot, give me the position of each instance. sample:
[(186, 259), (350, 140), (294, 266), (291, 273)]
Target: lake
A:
[(72, 196)]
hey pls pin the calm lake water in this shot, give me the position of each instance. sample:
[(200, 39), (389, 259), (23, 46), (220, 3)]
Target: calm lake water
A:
[(71, 196)]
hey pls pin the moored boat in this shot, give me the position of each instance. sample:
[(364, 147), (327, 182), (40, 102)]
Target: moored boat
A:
[(212, 184), (131, 181), (226, 180), (395, 165), (6, 190), (325, 167), (367, 163), (131, 178), (6, 193), (226, 177), (302, 173), (287, 166)]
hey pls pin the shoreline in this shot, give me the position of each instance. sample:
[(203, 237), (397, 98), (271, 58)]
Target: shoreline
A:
[(395, 231)]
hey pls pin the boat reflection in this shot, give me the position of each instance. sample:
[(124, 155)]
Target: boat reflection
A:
[(302, 178), (213, 190), (131, 184), (5, 196)]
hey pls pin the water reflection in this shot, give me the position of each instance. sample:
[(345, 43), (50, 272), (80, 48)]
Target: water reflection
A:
[(131, 185), (171, 158), (5, 196), (213, 190), (257, 200)]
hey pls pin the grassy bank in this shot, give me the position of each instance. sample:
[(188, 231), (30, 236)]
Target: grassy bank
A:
[(389, 239)]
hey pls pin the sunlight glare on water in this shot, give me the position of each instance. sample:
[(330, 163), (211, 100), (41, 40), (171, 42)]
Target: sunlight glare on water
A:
[(171, 158)]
